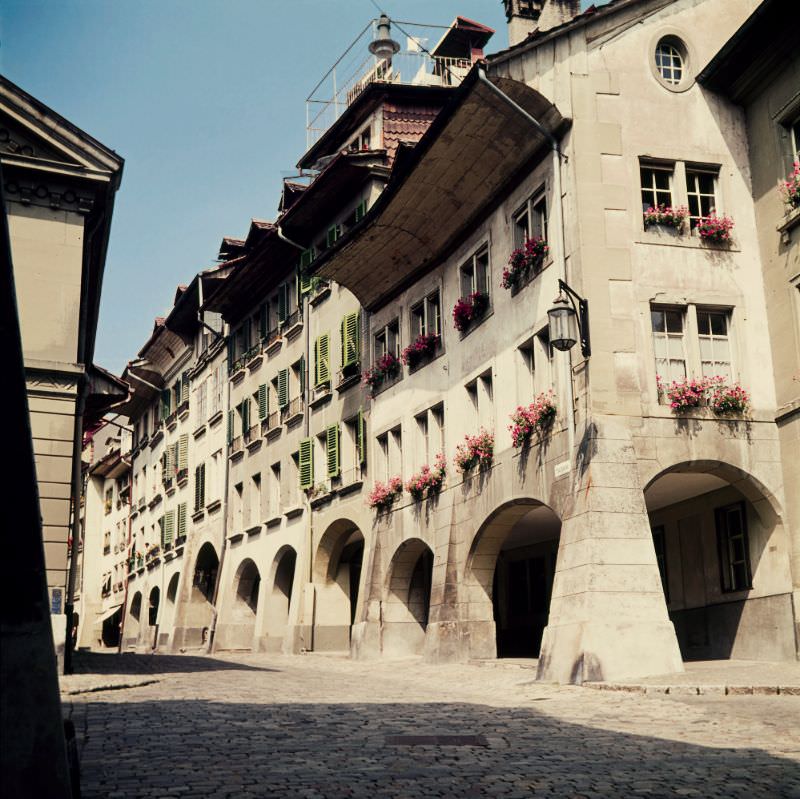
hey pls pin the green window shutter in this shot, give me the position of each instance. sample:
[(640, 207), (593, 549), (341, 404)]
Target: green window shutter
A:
[(231, 351), (184, 387), (302, 375), (165, 403), (307, 258), (169, 468), (183, 451), (230, 427), (263, 320), (322, 352), (283, 303), (161, 529), (181, 519), (350, 338), (361, 210), (303, 284), (197, 488), (169, 526), (262, 401), (332, 449), (361, 437), (306, 462), (283, 388), (333, 233), (245, 406), (202, 485)]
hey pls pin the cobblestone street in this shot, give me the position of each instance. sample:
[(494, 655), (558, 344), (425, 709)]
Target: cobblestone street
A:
[(315, 726)]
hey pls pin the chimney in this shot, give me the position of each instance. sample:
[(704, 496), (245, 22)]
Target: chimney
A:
[(526, 16)]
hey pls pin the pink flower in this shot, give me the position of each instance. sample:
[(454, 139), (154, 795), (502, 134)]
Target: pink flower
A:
[(528, 256)]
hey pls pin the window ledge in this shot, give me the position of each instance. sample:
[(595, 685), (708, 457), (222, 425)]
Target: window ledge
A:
[(350, 488), (172, 423), (215, 419), (274, 345), (474, 325), (234, 537), (387, 384), (238, 376), (214, 506), (170, 490), (273, 521), (236, 454), (791, 221), (294, 330), (198, 515), (530, 276), (168, 556), (157, 436), (255, 361), (183, 481), (183, 411), (348, 382), (427, 361), (290, 513), (321, 399), (684, 240), (292, 420), (254, 530), (154, 501), (321, 295), (324, 499), (253, 445), (199, 432)]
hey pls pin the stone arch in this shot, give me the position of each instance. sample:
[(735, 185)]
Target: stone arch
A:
[(508, 579), (279, 601), (194, 611), (247, 583), (172, 588), (154, 600), (408, 597), (133, 620), (238, 627), (722, 553), (337, 577), (206, 566)]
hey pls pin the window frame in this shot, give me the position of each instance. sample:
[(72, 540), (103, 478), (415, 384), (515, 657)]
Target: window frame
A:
[(728, 580), (433, 298)]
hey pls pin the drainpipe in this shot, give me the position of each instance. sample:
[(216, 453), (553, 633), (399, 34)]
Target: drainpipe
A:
[(560, 254), (128, 553), (306, 398), (223, 551)]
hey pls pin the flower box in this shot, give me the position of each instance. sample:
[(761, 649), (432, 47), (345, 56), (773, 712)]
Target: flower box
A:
[(524, 260), (715, 229), (714, 392), (790, 188), (386, 368), (536, 417), (424, 346), (475, 451), (383, 495), (469, 308), (667, 216), (428, 479)]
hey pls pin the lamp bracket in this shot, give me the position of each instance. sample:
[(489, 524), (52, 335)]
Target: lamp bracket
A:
[(581, 308)]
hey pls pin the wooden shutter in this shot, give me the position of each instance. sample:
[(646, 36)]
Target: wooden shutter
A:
[(350, 328), (161, 530), (262, 401), (198, 487), (307, 258), (302, 375), (263, 320), (333, 233), (361, 209), (306, 463), (332, 449), (322, 352), (283, 303), (283, 388), (183, 451), (230, 427), (184, 387), (245, 411), (169, 526), (165, 403), (175, 455), (361, 437), (181, 520)]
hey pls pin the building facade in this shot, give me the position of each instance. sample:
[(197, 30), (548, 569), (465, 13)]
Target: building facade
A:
[(415, 461)]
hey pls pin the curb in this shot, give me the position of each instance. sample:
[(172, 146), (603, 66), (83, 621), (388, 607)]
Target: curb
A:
[(697, 690)]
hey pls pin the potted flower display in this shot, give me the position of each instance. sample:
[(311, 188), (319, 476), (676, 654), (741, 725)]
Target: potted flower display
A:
[(715, 392), (534, 417), (386, 368), (423, 347), (666, 215), (383, 495), (525, 258), (428, 478), (475, 451), (715, 229), (469, 308), (790, 188)]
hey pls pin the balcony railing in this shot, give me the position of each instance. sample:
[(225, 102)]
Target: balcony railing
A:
[(272, 422), (237, 445), (294, 408)]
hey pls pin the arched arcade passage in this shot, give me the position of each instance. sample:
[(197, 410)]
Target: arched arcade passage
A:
[(722, 553), (510, 574), (279, 601)]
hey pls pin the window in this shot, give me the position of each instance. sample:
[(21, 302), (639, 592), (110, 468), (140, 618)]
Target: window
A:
[(383, 456), (350, 334), (332, 461), (668, 343), (700, 191), (486, 400), (543, 376), (426, 317), (475, 273), (238, 502), (353, 454), (794, 131), (429, 435), (387, 340), (715, 350), (275, 490), (660, 544), (214, 491), (199, 486), (656, 186), (396, 451), (422, 444), (200, 400), (525, 371), (322, 369), (670, 60), (531, 220), (436, 435), (734, 548), (255, 499), (306, 463)]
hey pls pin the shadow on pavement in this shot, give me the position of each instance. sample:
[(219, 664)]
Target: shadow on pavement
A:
[(214, 749), (131, 663)]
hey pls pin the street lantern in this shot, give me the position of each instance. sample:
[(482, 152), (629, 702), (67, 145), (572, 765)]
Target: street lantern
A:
[(568, 322)]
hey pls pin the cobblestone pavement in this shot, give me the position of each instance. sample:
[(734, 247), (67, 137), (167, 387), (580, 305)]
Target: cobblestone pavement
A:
[(327, 727)]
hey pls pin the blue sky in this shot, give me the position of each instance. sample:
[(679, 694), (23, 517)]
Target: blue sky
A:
[(205, 100)]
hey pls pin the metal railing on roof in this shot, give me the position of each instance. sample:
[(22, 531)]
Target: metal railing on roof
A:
[(357, 68)]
